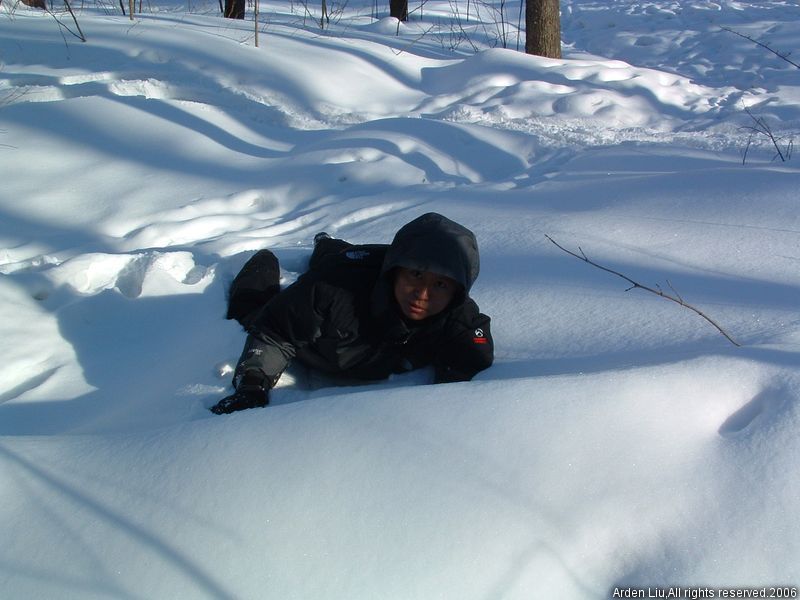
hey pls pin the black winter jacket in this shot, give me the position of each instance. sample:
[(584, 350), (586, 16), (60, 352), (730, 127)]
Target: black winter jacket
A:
[(341, 316)]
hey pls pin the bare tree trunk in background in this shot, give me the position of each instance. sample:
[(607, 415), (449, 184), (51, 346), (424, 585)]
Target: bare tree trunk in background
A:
[(399, 9), (324, 18), (255, 19), (543, 28), (234, 9)]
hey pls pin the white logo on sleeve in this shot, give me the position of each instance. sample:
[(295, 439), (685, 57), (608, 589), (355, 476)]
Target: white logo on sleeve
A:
[(479, 337)]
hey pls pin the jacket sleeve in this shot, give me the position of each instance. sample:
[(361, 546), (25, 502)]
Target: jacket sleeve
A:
[(467, 347), (289, 321)]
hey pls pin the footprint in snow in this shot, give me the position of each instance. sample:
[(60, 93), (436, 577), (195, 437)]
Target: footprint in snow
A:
[(757, 412)]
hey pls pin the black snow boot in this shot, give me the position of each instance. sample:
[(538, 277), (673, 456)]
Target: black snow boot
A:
[(250, 393)]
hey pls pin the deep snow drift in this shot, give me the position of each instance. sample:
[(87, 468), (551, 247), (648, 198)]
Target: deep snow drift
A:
[(618, 441)]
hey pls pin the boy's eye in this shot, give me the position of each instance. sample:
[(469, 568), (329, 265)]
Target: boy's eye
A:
[(416, 274)]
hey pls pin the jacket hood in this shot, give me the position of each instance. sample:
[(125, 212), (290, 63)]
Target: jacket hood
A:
[(434, 243)]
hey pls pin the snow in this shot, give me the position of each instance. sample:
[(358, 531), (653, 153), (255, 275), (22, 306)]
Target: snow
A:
[(619, 440)]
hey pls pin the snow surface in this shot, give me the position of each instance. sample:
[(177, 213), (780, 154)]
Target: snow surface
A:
[(618, 441)]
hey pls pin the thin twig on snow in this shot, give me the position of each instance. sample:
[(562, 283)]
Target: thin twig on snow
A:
[(762, 128), (780, 55), (634, 285)]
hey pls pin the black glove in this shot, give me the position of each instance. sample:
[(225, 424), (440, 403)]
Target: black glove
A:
[(250, 393)]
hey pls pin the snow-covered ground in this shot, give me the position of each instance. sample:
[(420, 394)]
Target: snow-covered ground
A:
[(619, 440)]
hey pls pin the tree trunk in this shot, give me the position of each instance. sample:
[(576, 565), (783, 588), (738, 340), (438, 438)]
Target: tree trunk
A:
[(234, 9), (324, 18), (543, 28), (399, 9)]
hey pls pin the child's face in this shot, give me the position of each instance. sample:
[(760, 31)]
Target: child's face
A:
[(422, 294)]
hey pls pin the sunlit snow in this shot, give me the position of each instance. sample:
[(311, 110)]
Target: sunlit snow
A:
[(619, 441)]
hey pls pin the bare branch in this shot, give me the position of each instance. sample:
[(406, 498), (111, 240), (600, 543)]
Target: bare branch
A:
[(398, 52), (75, 20), (674, 291), (61, 25), (659, 292), (780, 55), (747, 149), (762, 128)]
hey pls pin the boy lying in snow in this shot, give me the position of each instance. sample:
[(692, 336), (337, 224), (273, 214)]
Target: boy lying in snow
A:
[(363, 312)]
